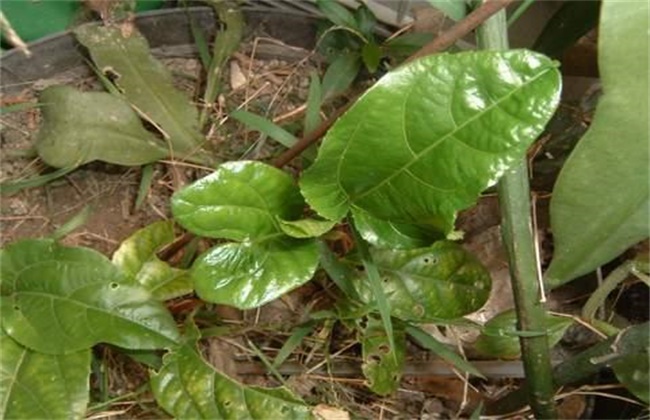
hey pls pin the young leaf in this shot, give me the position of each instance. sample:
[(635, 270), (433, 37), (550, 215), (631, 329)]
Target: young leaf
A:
[(146, 84), (600, 203), (188, 387), (136, 256), (427, 284), (440, 130), (371, 54), (249, 274), (42, 386), (239, 201), (265, 126), (79, 127), (340, 74), (337, 14), (306, 228), (500, 337), (382, 363), (57, 299)]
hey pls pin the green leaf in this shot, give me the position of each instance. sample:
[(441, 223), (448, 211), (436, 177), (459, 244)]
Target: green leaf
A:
[(80, 127), (440, 130), (306, 228), (407, 44), (341, 274), (442, 351), (500, 337), (455, 9), (383, 234), (239, 201), (146, 83), (293, 342), (314, 101), (382, 363), (249, 274), (366, 21), (340, 74), (42, 386), (600, 204), (428, 284), (337, 14), (263, 125), (57, 300), (188, 388), (632, 371), (371, 54), (136, 256), (12, 187)]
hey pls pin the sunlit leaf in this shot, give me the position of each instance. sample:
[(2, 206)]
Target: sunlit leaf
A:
[(382, 363), (306, 228), (42, 386), (80, 127), (136, 256), (600, 204), (423, 142), (500, 337), (189, 388), (57, 299), (440, 282)]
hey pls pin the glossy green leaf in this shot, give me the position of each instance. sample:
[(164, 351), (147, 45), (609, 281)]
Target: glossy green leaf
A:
[(600, 204), (340, 74), (633, 371), (439, 130), (500, 337), (384, 234), (136, 256), (266, 126), (337, 13), (146, 83), (249, 274), (427, 284), (306, 228), (42, 386), (455, 9), (239, 201), (189, 388), (382, 363), (80, 127), (57, 299)]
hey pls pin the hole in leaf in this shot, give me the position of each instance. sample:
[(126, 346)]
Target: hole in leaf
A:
[(385, 280), (384, 348), (374, 358), (360, 268), (114, 286), (16, 308), (227, 403), (430, 260)]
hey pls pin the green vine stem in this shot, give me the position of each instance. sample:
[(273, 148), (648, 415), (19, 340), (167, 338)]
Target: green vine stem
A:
[(515, 203)]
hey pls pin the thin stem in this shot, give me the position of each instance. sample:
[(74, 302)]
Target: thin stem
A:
[(516, 225)]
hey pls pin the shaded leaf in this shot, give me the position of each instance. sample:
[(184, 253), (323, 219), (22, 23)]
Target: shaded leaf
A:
[(340, 74), (633, 372), (382, 363), (188, 387), (306, 228), (384, 234), (440, 130), (80, 127), (366, 21), (600, 204), (371, 54), (407, 44), (440, 282), (12, 187), (314, 101), (572, 20), (265, 126), (146, 83), (42, 386), (57, 299), (337, 13), (239, 201), (500, 337), (455, 9), (136, 256), (249, 274)]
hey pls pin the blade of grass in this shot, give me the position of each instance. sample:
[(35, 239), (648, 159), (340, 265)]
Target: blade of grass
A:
[(445, 353), (145, 185), (314, 101), (521, 9), (199, 39), (71, 224), (340, 273), (268, 364), (374, 280), (12, 187), (292, 343), (22, 106), (265, 126)]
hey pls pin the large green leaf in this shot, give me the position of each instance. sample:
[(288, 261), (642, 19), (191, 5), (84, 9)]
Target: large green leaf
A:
[(136, 256), (423, 142), (385, 234), (57, 300), (42, 386), (239, 201), (500, 337), (188, 388), (427, 284), (600, 203), (633, 372), (79, 127), (123, 54), (250, 274), (382, 363)]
